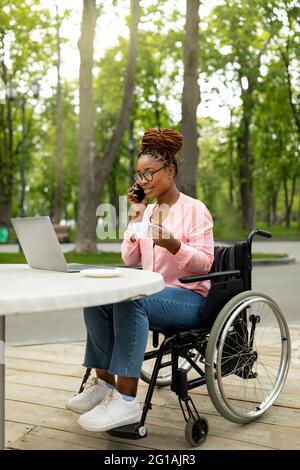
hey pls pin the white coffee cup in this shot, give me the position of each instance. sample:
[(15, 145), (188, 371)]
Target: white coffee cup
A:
[(142, 229)]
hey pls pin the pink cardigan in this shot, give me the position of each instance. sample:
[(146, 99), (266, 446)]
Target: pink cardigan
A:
[(189, 221)]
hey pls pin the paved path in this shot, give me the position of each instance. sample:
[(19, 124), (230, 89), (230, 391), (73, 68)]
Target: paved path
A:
[(281, 282)]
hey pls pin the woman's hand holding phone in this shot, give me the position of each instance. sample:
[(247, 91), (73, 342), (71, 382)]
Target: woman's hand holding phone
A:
[(137, 201), (137, 194)]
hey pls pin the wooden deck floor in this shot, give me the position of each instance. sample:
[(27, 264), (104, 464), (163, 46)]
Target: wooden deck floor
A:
[(40, 379)]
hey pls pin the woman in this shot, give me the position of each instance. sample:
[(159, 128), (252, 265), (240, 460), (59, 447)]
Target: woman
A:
[(181, 245)]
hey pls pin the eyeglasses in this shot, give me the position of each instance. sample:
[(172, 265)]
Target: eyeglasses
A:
[(147, 175)]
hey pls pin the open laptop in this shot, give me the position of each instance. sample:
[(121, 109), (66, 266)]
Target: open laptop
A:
[(41, 247)]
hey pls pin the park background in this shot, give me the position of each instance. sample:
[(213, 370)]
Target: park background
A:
[(81, 81)]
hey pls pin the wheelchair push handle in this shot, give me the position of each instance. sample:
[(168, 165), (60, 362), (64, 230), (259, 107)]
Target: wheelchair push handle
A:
[(263, 233), (257, 231)]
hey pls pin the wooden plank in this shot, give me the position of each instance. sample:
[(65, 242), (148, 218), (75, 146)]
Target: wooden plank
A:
[(15, 375), (49, 415), (289, 398), (52, 439), (46, 367), (64, 353), (160, 437), (49, 439), (270, 435), (171, 427), (73, 353), (42, 378), (55, 398), (67, 421), (162, 397), (45, 380), (15, 431), (32, 442), (166, 422), (277, 437)]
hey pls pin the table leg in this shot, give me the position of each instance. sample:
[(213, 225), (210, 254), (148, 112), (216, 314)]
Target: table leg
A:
[(2, 382)]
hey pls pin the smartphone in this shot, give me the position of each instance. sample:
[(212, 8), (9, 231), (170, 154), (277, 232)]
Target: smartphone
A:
[(139, 193)]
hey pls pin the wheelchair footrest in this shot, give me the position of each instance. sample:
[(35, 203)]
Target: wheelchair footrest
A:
[(130, 431)]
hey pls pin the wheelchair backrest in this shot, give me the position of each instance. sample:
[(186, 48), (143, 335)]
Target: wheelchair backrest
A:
[(227, 258)]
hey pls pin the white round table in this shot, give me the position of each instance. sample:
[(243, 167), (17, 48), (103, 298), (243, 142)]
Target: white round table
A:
[(25, 290)]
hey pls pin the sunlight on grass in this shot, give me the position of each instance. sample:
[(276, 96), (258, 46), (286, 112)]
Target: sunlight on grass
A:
[(101, 258)]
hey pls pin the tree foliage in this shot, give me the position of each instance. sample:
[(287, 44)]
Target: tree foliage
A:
[(249, 54)]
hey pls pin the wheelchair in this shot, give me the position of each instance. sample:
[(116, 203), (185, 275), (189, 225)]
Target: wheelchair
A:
[(241, 352)]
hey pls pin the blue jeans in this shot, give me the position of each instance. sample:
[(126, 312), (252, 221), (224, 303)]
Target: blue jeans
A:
[(117, 334)]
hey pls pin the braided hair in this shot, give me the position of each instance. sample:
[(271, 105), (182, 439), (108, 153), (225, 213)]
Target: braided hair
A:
[(162, 145)]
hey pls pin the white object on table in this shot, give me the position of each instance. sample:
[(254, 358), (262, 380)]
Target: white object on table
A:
[(99, 272), (142, 229), (25, 290)]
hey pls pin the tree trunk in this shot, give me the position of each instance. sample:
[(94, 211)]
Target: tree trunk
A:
[(6, 168), (295, 112), (245, 159), (289, 200), (59, 155), (286, 202), (8, 160), (268, 211), (187, 177), (298, 224), (157, 108), (105, 164), (231, 150), (245, 171), (86, 219), (131, 152), (5, 209), (274, 203)]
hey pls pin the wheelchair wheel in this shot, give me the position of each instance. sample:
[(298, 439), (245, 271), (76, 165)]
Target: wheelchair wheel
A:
[(247, 357), (164, 377), (196, 432)]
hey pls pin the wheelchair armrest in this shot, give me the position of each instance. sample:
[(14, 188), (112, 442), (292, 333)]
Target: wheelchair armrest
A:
[(209, 276)]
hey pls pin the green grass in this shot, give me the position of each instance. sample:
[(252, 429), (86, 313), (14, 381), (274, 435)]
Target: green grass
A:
[(279, 232), (104, 258), (269, 255)]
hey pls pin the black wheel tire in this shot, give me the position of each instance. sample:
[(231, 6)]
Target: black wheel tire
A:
[(196, 432)]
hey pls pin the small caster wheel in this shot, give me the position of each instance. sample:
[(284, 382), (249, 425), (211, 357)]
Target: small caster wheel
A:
[(142, 431), (196, 431)]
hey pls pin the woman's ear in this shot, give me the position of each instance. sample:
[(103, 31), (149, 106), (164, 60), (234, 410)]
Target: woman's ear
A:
[(171, 171)]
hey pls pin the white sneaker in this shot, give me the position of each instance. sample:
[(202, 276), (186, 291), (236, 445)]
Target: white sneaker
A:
[(111, 413), (94, 392)]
